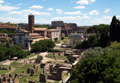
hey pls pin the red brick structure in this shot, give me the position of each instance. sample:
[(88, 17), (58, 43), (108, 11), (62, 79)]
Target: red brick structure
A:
[(31, 23)]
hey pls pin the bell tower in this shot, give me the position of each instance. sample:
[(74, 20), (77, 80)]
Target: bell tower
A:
[(31, 23)]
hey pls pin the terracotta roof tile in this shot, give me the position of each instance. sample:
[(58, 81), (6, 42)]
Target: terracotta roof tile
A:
[(8, 26)]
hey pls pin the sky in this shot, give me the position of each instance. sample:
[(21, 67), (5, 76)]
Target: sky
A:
[(81, 12)]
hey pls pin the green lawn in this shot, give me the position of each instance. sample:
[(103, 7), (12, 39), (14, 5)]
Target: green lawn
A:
[(4, 71), (19, 67)]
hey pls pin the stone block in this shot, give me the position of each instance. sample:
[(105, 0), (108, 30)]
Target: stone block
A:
[(22, 71), (29, 70), (3, 75), (16, 75), (42, 78), (34, 66), (9, 67), (32, 82), (32, 72), (9, 79), (16, 80), (42, 65), (10, 75), (1, 80)]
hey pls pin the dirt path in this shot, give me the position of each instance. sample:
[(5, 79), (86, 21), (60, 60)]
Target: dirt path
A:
[(13, 69), (45, 59)]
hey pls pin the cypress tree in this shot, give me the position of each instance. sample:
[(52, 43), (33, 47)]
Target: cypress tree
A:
[(113, 29)]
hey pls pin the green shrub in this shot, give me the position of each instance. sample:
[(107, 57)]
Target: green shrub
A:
[(73, 47), (42, 46), (21, 54), (55, 39), (21, 45), (69, 36), (2, 40), (10, 40), (62, 38), (28, 52), (53, 50), (39, 58), (16, 47)]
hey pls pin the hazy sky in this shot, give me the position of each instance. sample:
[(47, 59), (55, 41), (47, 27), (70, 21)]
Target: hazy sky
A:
[(82, 12)]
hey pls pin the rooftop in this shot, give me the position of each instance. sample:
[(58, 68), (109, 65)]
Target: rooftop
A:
[(40, 29), (24, 30), (34, 34), (53, 30), (8, 26)]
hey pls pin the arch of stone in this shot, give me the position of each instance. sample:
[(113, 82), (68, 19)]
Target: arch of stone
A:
[(74, 37)]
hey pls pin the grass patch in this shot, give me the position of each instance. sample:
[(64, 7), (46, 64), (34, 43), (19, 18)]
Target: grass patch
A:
[(66, 40), (4, 71), (30, 56), (58, 57), (64, 75), (19, 67), (53, 82)]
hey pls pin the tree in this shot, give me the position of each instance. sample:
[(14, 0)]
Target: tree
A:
[(62, 38), (21, 54), (42, 45), (11, 52), (2, 54), (4, 31), (92, 40), (16, 47), (10, 40), (98, 30), (114, 29), (55, 39), (82, 45), (50, 43), (2, 40), (21, 45), (7, 45), (104, 39), (36, 47), (39, 58), (102, 69)]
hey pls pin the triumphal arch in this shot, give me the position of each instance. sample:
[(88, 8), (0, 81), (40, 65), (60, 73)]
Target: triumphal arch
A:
[(76, 37)]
